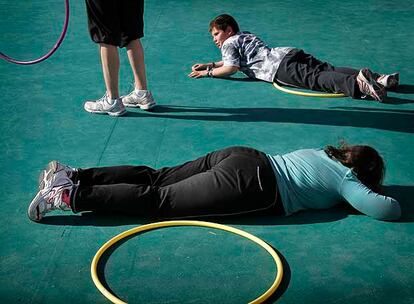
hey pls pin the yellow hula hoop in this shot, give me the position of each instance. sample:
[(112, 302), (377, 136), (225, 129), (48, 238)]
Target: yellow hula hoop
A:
[(157, 225), (300, 93)]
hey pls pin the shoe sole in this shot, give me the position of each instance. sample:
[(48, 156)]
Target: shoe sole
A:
[(142, 107), (117, 113), (375, 88), (33, 212), (109, 113)]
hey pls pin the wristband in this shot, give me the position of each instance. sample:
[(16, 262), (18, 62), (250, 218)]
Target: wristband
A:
[(209, 71)]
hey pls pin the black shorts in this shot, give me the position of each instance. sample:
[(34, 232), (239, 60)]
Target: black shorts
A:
[(115, 22)]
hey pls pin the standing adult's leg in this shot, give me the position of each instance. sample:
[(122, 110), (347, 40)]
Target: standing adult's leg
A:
[(132, 26), (135, 53), (132, 29), (104, 29), (110, 67)]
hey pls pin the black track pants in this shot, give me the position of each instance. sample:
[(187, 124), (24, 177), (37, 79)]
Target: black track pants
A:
[(305, 71), (230, 181)]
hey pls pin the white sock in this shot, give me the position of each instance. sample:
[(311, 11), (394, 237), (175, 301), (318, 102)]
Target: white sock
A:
[(140, 92)]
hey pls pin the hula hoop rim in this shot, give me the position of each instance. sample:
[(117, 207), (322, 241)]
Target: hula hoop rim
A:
[(164, 224), (308, 94), (51, 51)]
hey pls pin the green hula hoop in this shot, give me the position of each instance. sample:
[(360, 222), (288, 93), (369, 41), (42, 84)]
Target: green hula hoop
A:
[(157, 225), (300, 93)]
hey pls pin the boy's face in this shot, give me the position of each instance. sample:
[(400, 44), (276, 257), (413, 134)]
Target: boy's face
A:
[(219, 36)]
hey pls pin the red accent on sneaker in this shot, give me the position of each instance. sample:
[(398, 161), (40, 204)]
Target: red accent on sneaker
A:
[(66, 197)]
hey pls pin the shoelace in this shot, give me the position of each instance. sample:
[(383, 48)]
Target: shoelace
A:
[(103, 98)]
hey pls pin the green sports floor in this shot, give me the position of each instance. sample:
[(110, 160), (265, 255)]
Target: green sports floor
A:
[(331, 256)]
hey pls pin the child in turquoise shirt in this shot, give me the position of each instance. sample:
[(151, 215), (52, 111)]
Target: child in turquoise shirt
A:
[(234, 180)]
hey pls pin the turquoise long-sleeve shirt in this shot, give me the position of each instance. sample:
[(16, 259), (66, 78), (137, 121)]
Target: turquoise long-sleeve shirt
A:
[(310, 179)]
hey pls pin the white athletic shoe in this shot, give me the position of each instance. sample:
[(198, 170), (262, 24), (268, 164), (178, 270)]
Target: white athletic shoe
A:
[(53, 167), (390, 81), (139, 99), (105, 106), (50, 198), (368, 85)]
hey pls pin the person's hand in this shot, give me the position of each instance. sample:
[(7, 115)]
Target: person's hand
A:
[(197, 74), (199, 67)]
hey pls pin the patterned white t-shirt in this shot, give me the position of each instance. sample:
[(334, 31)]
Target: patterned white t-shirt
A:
[(253, 57)]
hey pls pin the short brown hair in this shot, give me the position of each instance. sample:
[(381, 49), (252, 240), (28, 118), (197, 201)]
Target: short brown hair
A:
[(221, 22), (365, 161)]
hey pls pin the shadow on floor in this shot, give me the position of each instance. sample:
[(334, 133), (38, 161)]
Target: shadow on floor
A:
[(405, 196), (94, 219), (405, 89), (104, 219), (383, 119), (401, 89), (397, 100), (284, 284)]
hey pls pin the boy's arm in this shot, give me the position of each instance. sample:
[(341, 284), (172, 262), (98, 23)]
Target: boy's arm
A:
[(223, 71), (219, 71), (204, 66), (230, 64)]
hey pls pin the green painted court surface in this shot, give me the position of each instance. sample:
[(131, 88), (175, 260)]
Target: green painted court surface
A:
[(331, 256)]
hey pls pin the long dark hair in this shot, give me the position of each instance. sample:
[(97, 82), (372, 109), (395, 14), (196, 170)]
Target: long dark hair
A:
[(365, 161), (221, 22)]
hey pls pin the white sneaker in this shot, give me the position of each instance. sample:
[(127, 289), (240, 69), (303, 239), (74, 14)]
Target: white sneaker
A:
[(368, 85), (142, 99), (390, 81), (105, 106), (50, 198), (53, 167)]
